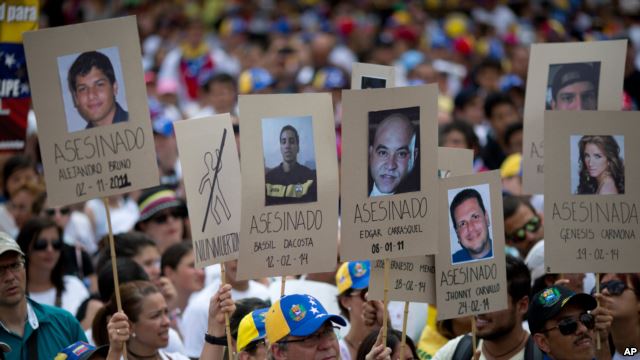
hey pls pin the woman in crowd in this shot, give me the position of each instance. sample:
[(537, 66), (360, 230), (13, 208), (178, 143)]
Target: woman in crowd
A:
[(368, 349), (600, 166), (622, 293), (162, 216), (178, 265), (41, 240), (143, 325)]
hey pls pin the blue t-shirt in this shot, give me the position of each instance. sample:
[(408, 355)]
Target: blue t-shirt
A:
[(56, 329)]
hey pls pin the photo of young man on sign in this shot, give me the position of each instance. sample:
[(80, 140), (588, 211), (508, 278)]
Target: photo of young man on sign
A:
[(93, 92), (290, 166), (573, 86), (394, 167), (470, 224)]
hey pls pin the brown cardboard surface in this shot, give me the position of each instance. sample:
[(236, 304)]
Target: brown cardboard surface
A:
[(610, 55), (372, 76), (211, 171), (591, 232), (107, 160), (294, 238), (478, 286)]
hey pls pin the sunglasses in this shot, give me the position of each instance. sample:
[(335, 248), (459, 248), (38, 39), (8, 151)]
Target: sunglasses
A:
[(314, 339), (162, 218), (62, 211), (521, 234), (360, 293), (43, 244), (569, 326), (614, 287)]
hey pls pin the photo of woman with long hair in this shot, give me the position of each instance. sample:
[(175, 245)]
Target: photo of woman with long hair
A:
[(601, 167)]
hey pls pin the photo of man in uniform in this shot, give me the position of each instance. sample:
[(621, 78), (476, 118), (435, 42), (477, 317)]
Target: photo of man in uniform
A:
[(93, 87), (290, 182), (393, 155), (574, 86), (471, 224)]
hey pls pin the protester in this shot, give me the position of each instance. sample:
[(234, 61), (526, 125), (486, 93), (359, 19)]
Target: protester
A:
[(162, 216), (523, 226), (623, 293), (394, 343)]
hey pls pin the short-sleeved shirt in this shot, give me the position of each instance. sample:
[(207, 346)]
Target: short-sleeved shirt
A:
[(56, 329)]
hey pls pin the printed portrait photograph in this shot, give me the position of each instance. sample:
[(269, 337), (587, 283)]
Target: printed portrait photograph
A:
[(369, 82), (573, 86), (470, 230), (393, 153), (597, 164), (93, 89), (289, 160)]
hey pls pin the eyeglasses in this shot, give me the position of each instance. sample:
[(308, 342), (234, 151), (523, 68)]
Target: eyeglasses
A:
[(569, 326), (52, 212), (42, 244), (162, 218), (521, 234), (14, 268), (314, 339), (253, 347), (360, 293), (614, 287)]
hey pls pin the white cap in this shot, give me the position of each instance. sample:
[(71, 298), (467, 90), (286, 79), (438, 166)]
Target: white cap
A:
[(535, 261)]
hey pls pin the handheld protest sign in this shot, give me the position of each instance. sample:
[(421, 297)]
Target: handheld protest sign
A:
[(389, 172), (211, 169), (91, 106), (289, 185), (567, 76), (591, 213), (413, 278), (470, 268), (372, 76)]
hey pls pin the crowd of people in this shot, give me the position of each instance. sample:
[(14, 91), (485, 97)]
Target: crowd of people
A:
[(56, 281)]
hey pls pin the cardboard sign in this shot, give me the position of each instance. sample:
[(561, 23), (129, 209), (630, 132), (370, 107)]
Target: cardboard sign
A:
[(413, 278), (91, 106), (211, 169), (15, 96), (389, 173), (371, 76), (471, 267), (591, 213), (289, 185), (567, 76)]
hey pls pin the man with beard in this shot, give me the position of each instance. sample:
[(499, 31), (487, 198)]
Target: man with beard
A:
[(501, 332)]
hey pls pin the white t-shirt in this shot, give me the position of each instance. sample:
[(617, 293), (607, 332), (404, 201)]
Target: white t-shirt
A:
[(446, 352), (618, 356), (344, 350), (74, 294), (196, 314)]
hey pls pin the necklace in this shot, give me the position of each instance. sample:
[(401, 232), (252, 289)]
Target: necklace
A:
[(518, 345), (152, 356), (351, 344)]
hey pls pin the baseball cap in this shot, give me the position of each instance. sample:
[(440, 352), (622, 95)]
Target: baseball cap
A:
[(511, 166), (7, 243), (251, 328), (353, 275), (329, 78), (548, 303), (81, 351), (297, 315), (254, 79), (155, 200), (535, 261), (572, 73)]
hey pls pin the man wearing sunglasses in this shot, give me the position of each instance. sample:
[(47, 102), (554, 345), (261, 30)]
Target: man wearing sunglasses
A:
[(564, 323), (30, 329), (523, 227), (299, 327)]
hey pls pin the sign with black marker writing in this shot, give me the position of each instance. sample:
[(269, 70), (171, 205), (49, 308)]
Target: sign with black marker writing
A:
[(91, 107), (568, 77), (211, 170), (389, 173), (591, 210), (289, 185), (413, 278), (470, 268)]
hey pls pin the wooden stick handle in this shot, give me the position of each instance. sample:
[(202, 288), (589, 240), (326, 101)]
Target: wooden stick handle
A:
[(227, 327), (385, 302), (598, 344), (404, 329), (282, 285), (473, 333), (114, 266)]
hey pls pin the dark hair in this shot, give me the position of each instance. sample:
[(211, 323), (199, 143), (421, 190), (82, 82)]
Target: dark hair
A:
[(85, 62), (494, 100), (290, 128), (128, 270), (243, 307), (28, 234), (132, 295), (174, 253), (461, 197), (518, 278), (465, 97), (127, 245), (633, 278), (462, 127), (394, 338), (510, 204), (581, 72), (510, 130), (611, 150), (343, 310), (220, 78), (15, 163)]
